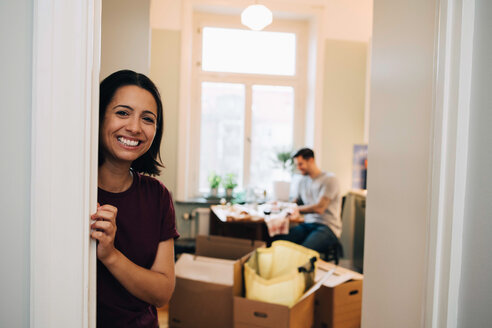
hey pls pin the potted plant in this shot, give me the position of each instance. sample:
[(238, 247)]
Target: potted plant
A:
[(284, 159), (229, 182), (214, 182)]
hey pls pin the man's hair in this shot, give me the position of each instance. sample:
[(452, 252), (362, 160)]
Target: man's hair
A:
[(304, 153), (150, 161)]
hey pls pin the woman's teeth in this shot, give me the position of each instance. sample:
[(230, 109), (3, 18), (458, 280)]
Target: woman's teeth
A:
[(127, 142)]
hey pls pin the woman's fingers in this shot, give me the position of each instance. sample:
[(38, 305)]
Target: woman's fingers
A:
[(104, 215), (105, 212), (105, 241), (106, 226), (98, 235), (108, 208), (104, 230)]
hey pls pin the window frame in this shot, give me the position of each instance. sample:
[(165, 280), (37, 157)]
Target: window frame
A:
[(198, 76)]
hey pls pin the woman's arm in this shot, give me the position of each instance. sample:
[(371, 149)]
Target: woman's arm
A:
[(154, 286)]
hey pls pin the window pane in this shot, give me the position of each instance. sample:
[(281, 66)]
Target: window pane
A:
[(244, 51), (272, 131), (222, 131)]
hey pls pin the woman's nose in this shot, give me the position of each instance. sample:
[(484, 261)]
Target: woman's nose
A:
[(133, 125)]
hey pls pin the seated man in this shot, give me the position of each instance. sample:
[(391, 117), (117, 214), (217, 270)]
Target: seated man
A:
[(319, 194)]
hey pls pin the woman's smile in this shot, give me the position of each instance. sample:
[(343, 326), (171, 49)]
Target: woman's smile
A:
[(128, 142)]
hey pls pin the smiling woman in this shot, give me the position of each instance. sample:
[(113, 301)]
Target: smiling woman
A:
[(129, 124), (134, 223), (124, 86)]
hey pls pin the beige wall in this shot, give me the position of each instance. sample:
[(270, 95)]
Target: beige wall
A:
[(164, 71), (396, 229), (348, 20), (343, 107), (343, 19), (125, 36)]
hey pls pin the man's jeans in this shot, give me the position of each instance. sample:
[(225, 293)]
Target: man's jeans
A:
[(311, 235)]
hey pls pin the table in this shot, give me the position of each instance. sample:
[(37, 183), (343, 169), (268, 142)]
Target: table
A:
[(254, 230)]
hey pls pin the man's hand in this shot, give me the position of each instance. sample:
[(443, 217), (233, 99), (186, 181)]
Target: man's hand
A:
[(294, 215)]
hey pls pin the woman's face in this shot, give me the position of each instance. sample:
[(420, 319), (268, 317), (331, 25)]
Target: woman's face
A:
[(129, 124)]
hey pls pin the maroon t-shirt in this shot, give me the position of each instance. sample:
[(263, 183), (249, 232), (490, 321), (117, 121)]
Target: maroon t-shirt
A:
[(145, 218)]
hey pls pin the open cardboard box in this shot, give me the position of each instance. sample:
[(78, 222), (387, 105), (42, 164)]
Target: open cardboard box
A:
[(207, 281), (338, 302)]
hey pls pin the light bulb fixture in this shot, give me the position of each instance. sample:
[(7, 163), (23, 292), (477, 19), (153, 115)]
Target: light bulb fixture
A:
[(256, 17)]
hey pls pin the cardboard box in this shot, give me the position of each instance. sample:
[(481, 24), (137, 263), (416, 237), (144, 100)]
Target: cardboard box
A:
[(254, 314), (207, 281), (338, 302)]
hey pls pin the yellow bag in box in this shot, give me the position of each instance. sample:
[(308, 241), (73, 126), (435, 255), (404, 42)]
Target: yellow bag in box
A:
[(281, 273)]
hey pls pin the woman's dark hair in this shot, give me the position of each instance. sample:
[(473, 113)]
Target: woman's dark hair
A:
[(150, 161)]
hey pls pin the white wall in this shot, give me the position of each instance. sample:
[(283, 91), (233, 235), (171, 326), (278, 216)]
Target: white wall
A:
[(399, 158), (343, 107), (15, 165), (475, 298), (125, 36)]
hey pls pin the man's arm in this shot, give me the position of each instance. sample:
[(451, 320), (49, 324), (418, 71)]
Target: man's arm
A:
[(320, 207)]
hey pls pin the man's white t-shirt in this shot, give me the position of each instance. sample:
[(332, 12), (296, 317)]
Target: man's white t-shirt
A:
[(310, 192)]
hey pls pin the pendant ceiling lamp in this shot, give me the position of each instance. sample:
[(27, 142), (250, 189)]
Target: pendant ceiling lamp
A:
[(256, 17)]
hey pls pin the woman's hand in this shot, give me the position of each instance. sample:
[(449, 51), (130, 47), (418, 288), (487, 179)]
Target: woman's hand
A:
[(154, 286), (104, 231)]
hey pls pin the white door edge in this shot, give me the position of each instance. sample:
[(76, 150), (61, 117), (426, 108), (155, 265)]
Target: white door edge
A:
[(454, 45), (64, 162)]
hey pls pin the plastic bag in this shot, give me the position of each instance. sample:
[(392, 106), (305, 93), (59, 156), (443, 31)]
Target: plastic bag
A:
[(281, 273)]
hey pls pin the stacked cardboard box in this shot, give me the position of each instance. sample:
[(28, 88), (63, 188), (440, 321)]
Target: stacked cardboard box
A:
[(338, 301), (207, 281)]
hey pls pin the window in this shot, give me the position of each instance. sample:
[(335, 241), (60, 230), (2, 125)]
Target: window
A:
[(248, 97), (271, 131), (221, 130), (244, 51)]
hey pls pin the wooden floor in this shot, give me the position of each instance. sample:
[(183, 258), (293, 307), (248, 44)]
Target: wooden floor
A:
[(163, 315)]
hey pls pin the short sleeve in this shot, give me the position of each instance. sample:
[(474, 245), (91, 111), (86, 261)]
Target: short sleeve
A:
[(168, 224), (329, 188)]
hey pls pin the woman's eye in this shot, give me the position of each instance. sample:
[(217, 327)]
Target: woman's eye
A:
[(121, 113), (149, 119)]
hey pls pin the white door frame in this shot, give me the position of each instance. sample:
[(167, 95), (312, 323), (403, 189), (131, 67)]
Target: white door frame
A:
[(454, 50), (64, 162)]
